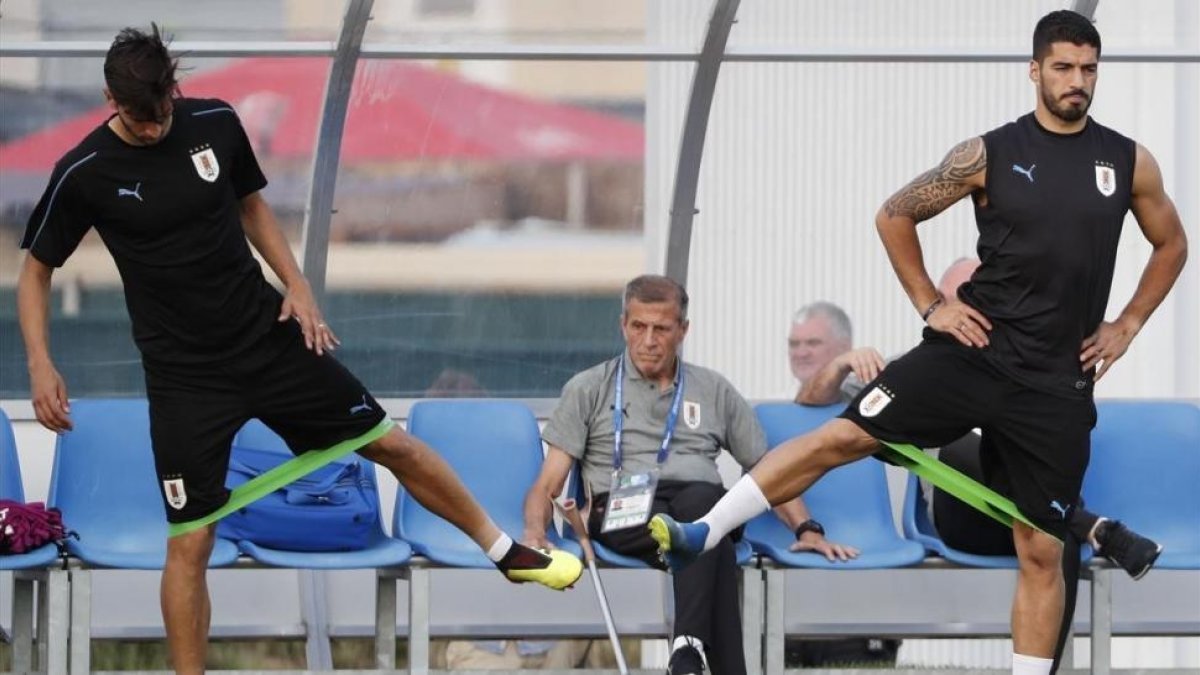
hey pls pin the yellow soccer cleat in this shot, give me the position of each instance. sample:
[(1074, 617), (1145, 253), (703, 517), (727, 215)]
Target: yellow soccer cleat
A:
[(552, 568)]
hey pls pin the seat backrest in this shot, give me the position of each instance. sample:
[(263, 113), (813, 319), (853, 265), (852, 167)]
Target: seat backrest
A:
[(914, 518), (496, 450), (104, 480), (10, 464), (852, 498), (1145, 470)]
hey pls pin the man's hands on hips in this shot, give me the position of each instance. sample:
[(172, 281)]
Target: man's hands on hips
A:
[(962, 321), (1107, 344), (299, 304)]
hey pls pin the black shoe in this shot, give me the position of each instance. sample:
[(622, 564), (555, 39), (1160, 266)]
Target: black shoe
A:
[(686, 661), (1133, 552)]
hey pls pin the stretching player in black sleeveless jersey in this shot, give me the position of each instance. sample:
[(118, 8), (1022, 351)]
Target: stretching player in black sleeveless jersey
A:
[(1016, 353)]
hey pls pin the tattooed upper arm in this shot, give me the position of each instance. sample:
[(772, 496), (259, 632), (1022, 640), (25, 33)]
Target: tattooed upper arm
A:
[(934, 191)]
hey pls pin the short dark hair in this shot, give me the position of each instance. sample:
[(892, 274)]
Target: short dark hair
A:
[(139, 71), (1063, 25), (657, 288)]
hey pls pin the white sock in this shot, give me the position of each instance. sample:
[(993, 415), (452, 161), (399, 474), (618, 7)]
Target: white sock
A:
[(499, 548), (686, 640), (743, 501), (1092, 533), (1031, 665)]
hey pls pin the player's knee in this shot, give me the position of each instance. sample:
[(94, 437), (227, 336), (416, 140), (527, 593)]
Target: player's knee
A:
[(1039, 553), (393, 450), (840, 441), (193, 549)]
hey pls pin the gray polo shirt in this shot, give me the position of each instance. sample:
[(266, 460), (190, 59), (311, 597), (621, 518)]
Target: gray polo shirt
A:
[(713, 415)]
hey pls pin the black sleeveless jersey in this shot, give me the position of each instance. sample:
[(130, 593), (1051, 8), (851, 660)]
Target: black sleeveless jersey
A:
[(170, 215), (1048, 238)]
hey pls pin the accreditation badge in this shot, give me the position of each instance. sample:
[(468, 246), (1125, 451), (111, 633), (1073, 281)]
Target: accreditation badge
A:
[(630, 499)]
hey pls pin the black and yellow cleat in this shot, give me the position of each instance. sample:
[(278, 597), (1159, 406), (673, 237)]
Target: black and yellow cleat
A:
[(552, 568)]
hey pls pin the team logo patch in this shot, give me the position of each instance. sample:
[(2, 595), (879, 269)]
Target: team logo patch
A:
[(206, 164), (874, 402), (691, 414), (176, 495), (1106, 178)]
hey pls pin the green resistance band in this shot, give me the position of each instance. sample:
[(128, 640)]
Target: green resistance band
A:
[(296, 467), (953, 481)]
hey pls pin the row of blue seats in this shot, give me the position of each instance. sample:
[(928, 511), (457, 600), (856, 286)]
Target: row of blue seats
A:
[(1145, 468)]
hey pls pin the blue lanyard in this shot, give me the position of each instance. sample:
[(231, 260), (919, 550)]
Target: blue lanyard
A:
[(619, 414)]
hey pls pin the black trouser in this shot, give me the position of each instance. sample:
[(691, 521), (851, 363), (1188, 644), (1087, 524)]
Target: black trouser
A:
[(706, 592), (966, 529)]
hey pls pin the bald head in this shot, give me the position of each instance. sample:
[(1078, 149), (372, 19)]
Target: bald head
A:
[(957, 274)]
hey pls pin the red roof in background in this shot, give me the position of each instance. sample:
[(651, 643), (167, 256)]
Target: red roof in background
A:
[(398, 112)]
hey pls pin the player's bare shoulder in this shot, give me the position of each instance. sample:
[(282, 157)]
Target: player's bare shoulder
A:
[(1147, 176), (961, 172)]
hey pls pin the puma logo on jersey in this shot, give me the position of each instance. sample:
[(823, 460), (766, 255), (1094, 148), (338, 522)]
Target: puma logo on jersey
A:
[(1062, 510), (135, 192), (362, 407), (1028, 173)]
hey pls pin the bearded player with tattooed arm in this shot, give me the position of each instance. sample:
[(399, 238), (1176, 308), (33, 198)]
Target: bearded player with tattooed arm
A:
[(1016, 353)]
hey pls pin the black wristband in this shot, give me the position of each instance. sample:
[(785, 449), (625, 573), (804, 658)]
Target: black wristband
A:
[(809, 525), (932, 306)]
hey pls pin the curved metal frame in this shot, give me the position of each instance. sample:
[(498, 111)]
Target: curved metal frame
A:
[(691, 148), (319, 210)]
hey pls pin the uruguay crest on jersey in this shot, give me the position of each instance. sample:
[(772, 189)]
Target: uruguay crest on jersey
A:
[(1106, 178), (206, 164), (175, 493)]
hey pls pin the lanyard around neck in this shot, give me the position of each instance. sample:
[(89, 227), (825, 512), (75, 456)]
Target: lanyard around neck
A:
[(619, 414)]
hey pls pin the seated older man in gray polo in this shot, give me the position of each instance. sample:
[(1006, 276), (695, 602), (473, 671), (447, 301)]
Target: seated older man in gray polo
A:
[(658, 454)]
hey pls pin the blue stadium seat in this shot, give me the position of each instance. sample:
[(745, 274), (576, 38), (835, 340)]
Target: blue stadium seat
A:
[(106, 487), (851, 502), (919, 528), (11, 488), (1145, 469), (382, 551), (31, 569), (496, 449)]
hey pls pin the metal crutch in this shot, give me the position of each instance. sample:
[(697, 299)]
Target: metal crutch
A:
[(570, 513)]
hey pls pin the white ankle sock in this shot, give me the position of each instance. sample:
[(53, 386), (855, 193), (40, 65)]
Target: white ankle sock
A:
[(499, 548), (1092, 533), (1031, 665), (743, 501)]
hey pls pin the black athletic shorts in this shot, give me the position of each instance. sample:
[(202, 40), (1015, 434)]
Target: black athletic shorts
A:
[(1035, 446), (311, 401)]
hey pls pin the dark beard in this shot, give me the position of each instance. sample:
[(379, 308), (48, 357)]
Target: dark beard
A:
[(1065, 112)]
